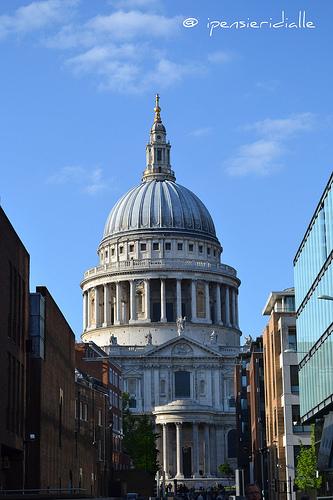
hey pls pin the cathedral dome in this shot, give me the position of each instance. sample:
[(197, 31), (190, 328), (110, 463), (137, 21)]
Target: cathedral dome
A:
[(160, 204)]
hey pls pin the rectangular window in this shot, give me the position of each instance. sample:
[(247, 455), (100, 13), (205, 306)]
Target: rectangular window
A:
[(156, 245), (200, 248), (112, 252), (168, 245), (295, 414), (180, 246), (182, 384), (292, 339), (190, 247), (131, 386), (131, 248), (143, 247), (208, 251), (121, 249), (294, 384), (214, 253), (159, 155), (132, 403), (106, 254)]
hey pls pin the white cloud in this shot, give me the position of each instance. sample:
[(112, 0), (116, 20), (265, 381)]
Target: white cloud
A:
[(117, 27), (128, 25), (259, 158), (201, 132), (263, 156), (35, 16), (117, 49), (284, 127), (130, 4), (219, 57), (90, 181), (268, 85)]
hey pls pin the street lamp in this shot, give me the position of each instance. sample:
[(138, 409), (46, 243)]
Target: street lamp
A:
[(325, 297)]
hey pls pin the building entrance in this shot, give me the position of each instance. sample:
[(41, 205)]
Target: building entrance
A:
[(187, 461)]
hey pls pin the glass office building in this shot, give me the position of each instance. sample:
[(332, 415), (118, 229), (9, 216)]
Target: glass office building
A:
[(313, 273)]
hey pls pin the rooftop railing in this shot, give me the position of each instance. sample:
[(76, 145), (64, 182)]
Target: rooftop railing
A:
[(165, 264)]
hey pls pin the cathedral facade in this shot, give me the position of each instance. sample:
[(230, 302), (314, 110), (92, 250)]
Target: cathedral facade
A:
[(163, 306)]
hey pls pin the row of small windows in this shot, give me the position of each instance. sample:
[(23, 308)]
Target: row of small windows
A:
[(156, 246), (114, 378), (182, 388)]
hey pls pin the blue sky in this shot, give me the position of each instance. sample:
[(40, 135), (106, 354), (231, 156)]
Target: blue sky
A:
[(248, 113)]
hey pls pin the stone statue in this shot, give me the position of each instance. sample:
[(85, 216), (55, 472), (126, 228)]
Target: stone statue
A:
[(248, 341), (113, 340), (149, 338), (181, 322), (213, 337)]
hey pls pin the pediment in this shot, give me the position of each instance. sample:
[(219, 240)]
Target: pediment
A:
[(183, 346)]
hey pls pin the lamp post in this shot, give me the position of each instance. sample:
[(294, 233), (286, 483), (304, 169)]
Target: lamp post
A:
[(325, 297)]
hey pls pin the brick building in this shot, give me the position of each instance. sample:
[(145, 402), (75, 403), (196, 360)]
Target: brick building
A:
[(257, 424), (50, 396), (93, 361), (250, 409), (14, 313), (284, 432), (60, 428)]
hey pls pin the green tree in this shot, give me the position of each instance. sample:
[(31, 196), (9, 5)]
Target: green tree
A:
[(139, 439), (226, 470), (306, 469)]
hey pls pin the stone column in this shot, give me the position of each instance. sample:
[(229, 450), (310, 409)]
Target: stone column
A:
[(107, 319), (218, 304), (207, 451), (236, 299), (147, 300), (132, 300), (85, 309), (195, 456), (207, 301), (213, 467), (97, 320), (233, 307), (89, 309), (163, 302), (220, 451), (118, 305), (179, 298), (165, 450), (193, 301), (179, 451), (227, 306)]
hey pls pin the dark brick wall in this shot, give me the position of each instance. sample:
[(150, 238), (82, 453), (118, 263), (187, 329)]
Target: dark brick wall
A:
[(50, 404), (14, 298)]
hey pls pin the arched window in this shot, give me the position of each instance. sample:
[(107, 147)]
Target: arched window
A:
[(182, 384), (232, 443)]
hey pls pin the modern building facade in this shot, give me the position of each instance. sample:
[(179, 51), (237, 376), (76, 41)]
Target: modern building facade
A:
[(14, 312), (313, 271), (284, 431), (165, 307)]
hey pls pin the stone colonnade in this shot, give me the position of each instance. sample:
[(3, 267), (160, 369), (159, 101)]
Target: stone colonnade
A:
[(204, 450), (117, 303)]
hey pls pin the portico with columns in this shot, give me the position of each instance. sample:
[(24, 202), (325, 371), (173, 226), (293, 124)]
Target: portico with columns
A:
[(159, 261)]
